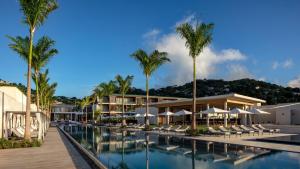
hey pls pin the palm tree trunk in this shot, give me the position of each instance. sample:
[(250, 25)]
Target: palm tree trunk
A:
[(93, 111), (27, 134), (86, 115), (123, 111), (194, 95), (147, 102), (37, 97)]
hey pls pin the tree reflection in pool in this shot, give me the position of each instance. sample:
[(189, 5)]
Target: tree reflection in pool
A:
[(121, 149)]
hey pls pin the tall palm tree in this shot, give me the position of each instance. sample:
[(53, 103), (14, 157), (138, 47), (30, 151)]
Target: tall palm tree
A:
[(35, 13), (43, 51), (149, 63), (196, 39), (83, 104), (124, 85), (108, 89), (99, 93)]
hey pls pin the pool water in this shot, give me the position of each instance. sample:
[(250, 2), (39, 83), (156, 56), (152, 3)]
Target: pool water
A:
[(119, 149)]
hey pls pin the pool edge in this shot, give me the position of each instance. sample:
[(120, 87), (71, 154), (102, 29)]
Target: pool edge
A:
[(83, 151)]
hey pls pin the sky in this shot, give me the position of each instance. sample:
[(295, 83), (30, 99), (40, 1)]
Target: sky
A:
[(256, 39)]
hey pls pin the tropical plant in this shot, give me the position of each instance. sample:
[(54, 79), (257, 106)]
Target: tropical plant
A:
[(124, 85), (149, 63), (83, 104), (43, 51), (108, 89), (99, 94), (35, 13), (196, 39), (46, 92)]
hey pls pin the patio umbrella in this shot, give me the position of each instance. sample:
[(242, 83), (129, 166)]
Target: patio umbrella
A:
[(167, 114), (214, 110), (143, 115), (240, 111), (182, 113), (258, 111)]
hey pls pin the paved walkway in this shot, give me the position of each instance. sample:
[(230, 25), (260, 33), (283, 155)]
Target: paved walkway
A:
[(56, 152)]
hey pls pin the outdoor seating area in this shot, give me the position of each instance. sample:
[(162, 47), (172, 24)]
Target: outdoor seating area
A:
[(240, 130)]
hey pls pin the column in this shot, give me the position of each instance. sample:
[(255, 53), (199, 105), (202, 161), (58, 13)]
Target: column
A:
[(207, 118), (167, 117), (225, 115), (245, 117)]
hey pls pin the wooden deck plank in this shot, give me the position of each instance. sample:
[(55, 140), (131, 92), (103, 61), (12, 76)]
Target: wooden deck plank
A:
[(55, 152)]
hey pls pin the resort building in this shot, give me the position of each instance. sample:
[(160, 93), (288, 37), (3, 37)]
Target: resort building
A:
[(226, 102), (282, 114), (61, 112), (112, 105)]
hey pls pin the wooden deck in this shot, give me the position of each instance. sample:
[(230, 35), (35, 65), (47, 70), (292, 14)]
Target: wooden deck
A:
[(56, 152)]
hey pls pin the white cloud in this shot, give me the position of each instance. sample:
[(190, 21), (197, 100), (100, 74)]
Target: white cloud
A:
[(187, 19), (295, 82), (275, 65), (152, 34), (237, 71), (288, 63), (180, 70)]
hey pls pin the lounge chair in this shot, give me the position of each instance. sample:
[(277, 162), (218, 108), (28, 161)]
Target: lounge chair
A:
[(215, 132), (167, 128), (174, 128), (141, 126), (248, 130), (223, 129), (257, 129), (235, 128), (184, 129), (268, 130)]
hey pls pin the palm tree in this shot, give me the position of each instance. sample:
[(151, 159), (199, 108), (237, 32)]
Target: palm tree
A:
[(108, 89), (35, 12), (196, 39), (43, 51), (149, 63), (123, 85), (99, 94), (83, 104)]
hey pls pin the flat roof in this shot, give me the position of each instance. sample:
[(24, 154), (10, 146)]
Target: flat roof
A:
[(210, 98), (280, 105), (136, 95)]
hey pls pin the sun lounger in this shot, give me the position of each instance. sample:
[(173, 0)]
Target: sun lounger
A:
[(174, 128), (215, 132), (168, 128), (223, 129), (184, 129), (235, 128), (142, 126), (248, 129), (257, 129), (268, 130)]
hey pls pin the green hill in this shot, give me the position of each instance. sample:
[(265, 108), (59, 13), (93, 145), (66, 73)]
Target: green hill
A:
[(272, 93)]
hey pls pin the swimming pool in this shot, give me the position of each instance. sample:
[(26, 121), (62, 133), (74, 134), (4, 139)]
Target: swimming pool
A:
[(119, 149)]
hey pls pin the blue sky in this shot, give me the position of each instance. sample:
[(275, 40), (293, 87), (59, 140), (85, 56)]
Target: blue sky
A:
[(256, 39)]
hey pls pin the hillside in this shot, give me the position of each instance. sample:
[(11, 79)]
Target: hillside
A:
[(272, 93)]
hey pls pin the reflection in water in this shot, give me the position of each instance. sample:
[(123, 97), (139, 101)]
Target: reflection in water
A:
[(121, 149)]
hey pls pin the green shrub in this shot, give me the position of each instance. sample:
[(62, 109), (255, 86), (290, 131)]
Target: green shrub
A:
[(13, 143), (198, 131)]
